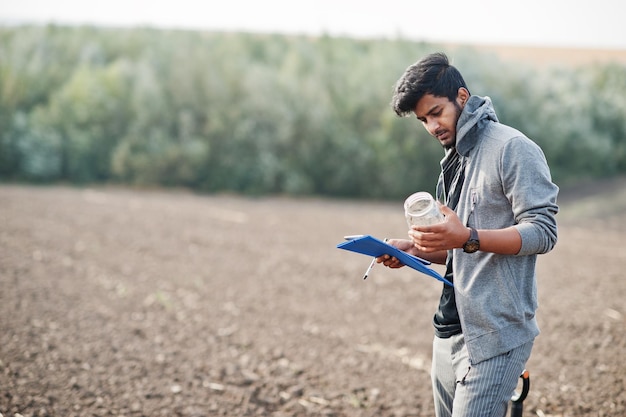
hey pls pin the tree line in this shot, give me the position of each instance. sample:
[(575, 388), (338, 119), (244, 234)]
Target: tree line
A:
[(270, 114)]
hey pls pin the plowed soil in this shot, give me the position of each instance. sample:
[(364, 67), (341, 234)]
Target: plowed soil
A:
[(118, 302)]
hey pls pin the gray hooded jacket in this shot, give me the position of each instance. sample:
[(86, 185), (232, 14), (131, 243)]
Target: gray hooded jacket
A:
[(507, 183)]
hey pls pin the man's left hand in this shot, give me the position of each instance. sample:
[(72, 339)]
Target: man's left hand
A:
[(449, 234)]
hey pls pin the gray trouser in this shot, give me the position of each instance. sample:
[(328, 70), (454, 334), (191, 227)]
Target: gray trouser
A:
[(480, 390)]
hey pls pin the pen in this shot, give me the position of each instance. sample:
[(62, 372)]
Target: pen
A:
[(352, 237), (369, 268)]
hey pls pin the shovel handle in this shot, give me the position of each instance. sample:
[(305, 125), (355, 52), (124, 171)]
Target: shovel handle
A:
[(517, 406), (518, 397)]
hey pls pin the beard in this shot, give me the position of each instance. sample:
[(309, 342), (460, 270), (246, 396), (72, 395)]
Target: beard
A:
[(458, 110)]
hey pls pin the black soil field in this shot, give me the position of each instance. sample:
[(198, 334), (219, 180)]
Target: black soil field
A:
[(118, 302)]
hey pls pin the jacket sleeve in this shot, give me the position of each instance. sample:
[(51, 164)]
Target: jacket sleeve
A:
[(528, 186)]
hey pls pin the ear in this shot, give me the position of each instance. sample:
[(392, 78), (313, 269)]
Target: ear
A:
[(462, 96)]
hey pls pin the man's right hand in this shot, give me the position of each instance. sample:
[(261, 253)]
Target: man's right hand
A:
[(407, 246), (404, 245)]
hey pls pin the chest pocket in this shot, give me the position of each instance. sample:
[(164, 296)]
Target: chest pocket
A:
[(474, 200)]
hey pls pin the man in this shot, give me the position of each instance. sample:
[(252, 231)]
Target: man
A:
[(500, 207)]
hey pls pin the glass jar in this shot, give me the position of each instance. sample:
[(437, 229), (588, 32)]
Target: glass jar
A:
[(421, 209)]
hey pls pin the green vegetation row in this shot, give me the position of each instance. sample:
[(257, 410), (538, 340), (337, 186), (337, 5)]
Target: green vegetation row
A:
[(270, 114)]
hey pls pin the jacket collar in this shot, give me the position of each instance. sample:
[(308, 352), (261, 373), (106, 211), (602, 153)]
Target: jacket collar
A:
[(478, 111)]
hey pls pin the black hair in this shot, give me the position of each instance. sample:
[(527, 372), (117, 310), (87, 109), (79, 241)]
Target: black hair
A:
[(432, 74)]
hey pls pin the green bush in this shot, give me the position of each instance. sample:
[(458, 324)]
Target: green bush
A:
[(270, 114)]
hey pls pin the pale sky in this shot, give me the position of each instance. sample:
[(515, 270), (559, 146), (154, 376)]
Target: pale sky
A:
[(565, 23)]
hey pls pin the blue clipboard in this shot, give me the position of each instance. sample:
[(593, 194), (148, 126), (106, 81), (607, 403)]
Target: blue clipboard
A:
[(369, 245)]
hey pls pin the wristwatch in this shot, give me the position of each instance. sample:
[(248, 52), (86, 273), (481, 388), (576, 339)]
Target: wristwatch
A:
[(472, 244)]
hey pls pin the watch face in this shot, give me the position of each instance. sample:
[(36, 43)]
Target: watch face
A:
[(471, 246)]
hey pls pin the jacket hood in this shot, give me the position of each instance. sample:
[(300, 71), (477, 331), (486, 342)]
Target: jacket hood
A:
[(477, 112)]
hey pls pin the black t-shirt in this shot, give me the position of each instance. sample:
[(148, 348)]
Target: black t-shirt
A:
[(446, 319)]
